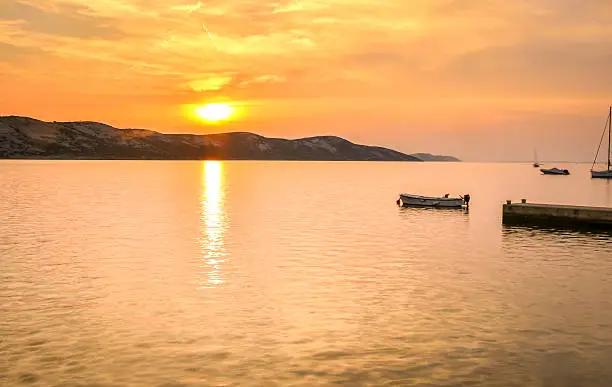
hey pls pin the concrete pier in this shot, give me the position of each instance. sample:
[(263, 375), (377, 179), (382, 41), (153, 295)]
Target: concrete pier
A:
[(557, 214)]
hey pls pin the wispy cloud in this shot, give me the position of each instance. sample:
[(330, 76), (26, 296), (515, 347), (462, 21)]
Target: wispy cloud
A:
[(212, 82), (70, 20), (10, 53)]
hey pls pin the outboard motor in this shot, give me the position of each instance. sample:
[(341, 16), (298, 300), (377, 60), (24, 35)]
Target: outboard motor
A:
[(466, 199)]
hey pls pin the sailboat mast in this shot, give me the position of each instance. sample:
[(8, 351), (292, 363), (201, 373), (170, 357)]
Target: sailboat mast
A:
[(609, 135)]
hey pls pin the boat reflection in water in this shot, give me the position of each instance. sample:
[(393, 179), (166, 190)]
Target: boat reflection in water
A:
[(213, 223)]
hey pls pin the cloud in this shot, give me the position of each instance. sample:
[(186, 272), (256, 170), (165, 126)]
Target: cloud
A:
[(211, 82), (189, 8), (235, 84), (69, 20), (301, 5), (377, 58), (544, 67), (266, 79), (10, 53)]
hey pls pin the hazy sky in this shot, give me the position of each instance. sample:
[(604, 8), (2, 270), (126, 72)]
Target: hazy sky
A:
[(482, 80)]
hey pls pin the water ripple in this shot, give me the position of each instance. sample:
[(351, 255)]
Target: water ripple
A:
[(294, 274)]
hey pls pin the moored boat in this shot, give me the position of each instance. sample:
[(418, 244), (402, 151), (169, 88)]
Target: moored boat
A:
[(409, 200), (554, 171), (602, 174), (605, 174), (536, 164)]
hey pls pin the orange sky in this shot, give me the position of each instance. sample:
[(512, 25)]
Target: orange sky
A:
[(482, 80)]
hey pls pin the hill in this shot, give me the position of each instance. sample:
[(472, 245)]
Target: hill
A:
[(430, 157), (23, 137)]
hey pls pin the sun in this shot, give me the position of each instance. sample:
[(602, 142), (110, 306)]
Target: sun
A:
[(214, 112)]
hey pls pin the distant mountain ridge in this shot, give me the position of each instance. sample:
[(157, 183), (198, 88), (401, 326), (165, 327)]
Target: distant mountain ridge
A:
[(430, 157), (24, 137)]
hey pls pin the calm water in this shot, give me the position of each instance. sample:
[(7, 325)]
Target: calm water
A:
[(284, 273)]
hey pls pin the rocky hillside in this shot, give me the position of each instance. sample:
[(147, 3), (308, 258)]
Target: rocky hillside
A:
[(430, 157), (23, 137)]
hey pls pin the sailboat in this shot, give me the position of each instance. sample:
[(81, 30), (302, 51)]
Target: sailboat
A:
[(607, 174), (535, 158)]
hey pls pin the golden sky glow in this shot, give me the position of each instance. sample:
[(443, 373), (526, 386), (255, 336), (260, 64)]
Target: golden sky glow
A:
[(480, 79)]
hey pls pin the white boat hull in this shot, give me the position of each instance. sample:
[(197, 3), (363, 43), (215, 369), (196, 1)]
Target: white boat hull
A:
[(408, 200), (602, 174)]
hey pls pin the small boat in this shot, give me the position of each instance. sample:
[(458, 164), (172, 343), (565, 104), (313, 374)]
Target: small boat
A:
[(409, 200), (606, 174), (535, 157), (555, 171)]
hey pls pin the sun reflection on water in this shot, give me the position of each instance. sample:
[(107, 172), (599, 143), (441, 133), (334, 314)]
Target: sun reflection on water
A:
[(213, 223)]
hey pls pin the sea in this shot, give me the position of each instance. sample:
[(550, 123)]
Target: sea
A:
[(274, 273)]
